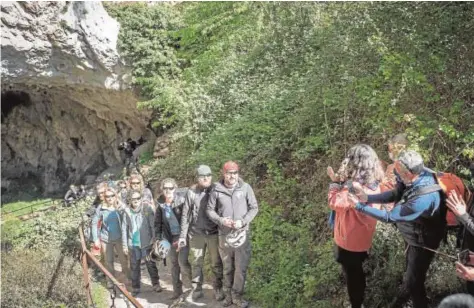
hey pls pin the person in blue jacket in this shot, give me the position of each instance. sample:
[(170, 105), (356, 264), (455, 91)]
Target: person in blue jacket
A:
[(419, 217)]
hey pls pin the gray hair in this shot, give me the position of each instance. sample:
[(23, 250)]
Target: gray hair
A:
[(169, 181), (400, 139), (412, 161), (363, 165), (457, 301)]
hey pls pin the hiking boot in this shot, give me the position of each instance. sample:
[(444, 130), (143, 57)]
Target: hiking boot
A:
[(197, 293), (227, 301), (240, 302), (135, 292), (227, 297), (176, 294), (219, 294), (157, 288)]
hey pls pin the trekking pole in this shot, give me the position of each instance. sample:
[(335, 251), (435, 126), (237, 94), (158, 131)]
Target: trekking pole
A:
[(440, 253)]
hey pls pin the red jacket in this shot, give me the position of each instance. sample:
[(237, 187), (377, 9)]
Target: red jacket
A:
[(353, 231)]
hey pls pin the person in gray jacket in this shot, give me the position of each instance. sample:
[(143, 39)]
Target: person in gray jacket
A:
[(232, 206), (202, 233), (137, 239)]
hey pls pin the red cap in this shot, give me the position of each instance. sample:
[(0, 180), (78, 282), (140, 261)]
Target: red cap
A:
[(230, 165)]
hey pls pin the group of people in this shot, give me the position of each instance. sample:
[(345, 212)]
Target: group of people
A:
[(206, 217), (362, 193), (74, 193)]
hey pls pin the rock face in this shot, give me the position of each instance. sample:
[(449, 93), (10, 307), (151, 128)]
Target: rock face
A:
[(66, 101)]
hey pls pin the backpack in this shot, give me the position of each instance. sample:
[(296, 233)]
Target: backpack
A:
[(446, 182)]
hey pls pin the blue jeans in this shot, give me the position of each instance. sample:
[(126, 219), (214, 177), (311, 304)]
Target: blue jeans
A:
[(136, 255)]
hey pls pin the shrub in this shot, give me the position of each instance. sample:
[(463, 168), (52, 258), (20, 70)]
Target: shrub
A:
[(41, 278)]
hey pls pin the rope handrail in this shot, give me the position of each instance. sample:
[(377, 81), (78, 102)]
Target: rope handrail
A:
[(30, 206)]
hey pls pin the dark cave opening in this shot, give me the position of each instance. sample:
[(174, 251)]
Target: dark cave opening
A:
[(12, 99)]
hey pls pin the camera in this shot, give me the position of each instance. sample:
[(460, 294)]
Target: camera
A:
[(464, 257)]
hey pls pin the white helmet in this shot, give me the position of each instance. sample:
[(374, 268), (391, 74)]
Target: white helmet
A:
[(236, 238), (159, 251), (162, 249)]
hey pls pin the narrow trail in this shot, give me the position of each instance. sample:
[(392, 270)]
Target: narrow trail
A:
[(151, 299)]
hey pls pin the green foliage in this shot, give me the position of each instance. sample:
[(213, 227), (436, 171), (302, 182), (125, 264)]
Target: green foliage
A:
[(285, 89), (56, 228), (148, 46), (40, 267), (25, 207), (41, 278)]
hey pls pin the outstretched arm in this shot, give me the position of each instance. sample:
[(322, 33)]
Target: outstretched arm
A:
[(408, 211)]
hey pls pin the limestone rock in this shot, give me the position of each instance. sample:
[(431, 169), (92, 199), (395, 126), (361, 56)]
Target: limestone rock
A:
[(161, 149), (66, 97), (61, 42)]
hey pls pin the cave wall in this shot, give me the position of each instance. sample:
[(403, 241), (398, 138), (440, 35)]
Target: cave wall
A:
[(66, 96), (50, 136)]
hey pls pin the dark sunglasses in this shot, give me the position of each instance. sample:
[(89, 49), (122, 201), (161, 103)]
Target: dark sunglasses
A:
[(135, 199), (109, 196), (168, 188)]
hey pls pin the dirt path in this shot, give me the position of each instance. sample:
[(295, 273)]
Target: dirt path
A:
[(151, 299)]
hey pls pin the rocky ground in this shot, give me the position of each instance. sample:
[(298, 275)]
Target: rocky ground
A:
[(151, 299)]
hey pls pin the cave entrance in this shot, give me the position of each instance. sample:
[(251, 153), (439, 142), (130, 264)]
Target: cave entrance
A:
[(12, 99)]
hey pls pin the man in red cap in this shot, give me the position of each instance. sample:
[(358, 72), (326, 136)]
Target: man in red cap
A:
[(232, 206)]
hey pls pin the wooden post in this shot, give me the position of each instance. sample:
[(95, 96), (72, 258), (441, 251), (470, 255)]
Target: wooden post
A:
[(85, 269), (120, 286)]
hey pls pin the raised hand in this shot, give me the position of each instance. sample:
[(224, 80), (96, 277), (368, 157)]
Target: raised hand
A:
[(359, 191), (465, 272), (353, 200), (331, 174), (456, 204)]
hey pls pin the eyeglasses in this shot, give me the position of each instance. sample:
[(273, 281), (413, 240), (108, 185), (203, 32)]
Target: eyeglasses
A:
[(135, 183), (232, 172), (168, 188), (109, 196), (136, 199)]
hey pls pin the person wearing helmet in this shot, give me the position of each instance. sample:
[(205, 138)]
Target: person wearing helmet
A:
[(137, 239), (71, 195), (232, 206), (128, 147), (107, 232), (202, 233), (167, 226)]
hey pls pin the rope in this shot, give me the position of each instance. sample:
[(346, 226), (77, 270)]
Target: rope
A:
[(440, 253)]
